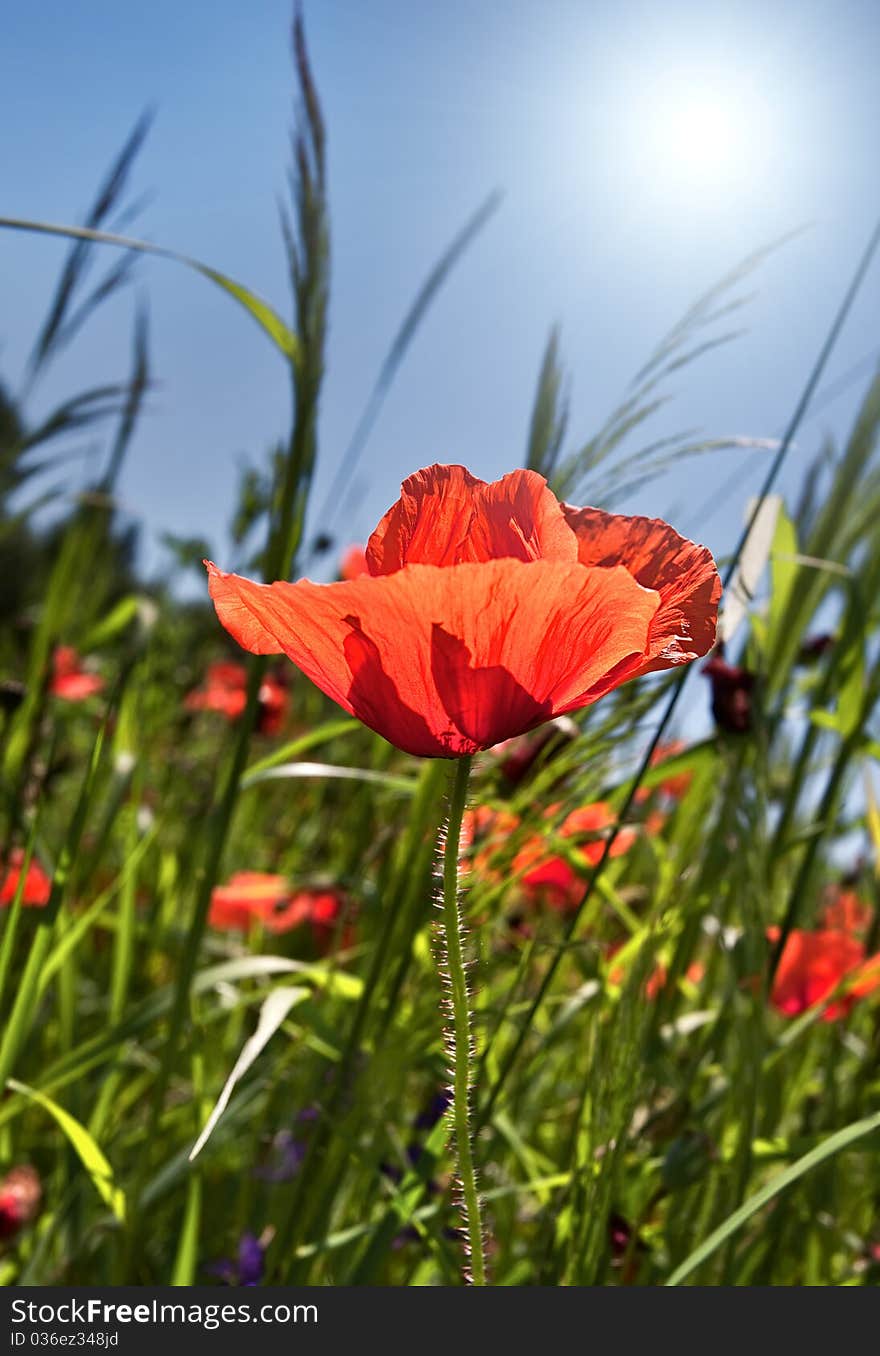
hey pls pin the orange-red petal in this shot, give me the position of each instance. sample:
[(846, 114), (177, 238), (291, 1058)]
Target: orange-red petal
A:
[(37, 885), (446, 516), (682, 572), (246, 897), (812, 965), (446, 661)]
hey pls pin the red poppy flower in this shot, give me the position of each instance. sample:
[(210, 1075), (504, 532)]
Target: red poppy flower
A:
[(322, 909), (37, 885), (225, 691), (812, 965), (248, 897), (353, 563), (487, 610), (70, 681), (552, 879)]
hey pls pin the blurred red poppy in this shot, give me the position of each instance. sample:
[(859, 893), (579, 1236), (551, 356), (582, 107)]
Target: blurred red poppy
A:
[(812, 965), (549, 878), (259, 897), (37, 885), (225, 691), (487, 610), (353, 563), (248, 897), (322, 909), (70, 681)]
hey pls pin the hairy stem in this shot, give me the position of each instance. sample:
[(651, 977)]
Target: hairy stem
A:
[(459, 1036)]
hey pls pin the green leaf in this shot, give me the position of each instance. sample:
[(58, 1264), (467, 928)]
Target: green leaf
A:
[(851, 693), (90, 1155), (268, 320), (783, 568), (405, 786), (834, 1144), (322, 734), (272, 1013), (116, 620)]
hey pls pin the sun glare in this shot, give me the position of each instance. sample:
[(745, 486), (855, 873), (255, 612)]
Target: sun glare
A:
[(695, 136), (701, 136)]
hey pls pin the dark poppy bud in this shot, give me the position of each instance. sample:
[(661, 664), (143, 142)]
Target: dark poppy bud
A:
[(625, 1246), (519, 755), (732, 688), (814, 647)]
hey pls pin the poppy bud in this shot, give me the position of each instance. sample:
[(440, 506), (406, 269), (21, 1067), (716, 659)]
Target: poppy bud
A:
[(519, 755), (731, 694), (814, 647)]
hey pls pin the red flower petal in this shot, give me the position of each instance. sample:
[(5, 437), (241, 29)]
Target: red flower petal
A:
[(37, 885), (446, 516), (683, 573), (226, 673), (444, 662), (247, 896), (811, 966), (76, 687)]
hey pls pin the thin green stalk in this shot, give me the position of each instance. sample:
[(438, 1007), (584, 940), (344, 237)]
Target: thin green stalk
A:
[(459, 1038)]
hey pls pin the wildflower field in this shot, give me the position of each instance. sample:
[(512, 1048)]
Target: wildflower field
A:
[(396, 930)]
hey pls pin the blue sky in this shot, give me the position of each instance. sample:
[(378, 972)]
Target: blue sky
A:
[(596, 119)]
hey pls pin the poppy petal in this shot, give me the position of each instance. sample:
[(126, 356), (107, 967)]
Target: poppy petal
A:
[(445, 661), (682, 572), (446, 516)]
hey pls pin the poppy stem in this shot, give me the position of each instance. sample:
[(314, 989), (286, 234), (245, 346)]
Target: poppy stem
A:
[(459, 1045)]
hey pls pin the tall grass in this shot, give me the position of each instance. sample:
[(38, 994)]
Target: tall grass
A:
[(645, 1114)]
